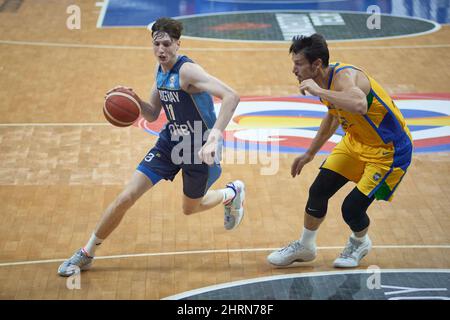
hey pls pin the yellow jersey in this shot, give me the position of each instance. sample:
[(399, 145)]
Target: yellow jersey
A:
[(381, 135)]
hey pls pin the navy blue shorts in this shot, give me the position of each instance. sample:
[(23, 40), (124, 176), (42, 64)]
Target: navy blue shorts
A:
[(197, 178)]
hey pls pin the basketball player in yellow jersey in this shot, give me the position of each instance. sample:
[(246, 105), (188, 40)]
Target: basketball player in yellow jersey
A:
[(374, 153)]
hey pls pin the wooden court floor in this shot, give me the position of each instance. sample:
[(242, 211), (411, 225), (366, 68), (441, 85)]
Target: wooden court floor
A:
[(61, 164)]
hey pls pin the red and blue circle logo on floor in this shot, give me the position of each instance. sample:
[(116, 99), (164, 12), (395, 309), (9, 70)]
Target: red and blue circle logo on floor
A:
[(292, 122)]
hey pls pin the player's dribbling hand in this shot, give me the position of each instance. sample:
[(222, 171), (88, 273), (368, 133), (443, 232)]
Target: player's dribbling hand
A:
[(207, 153), (299, 163), (118, 88), (123, 88)]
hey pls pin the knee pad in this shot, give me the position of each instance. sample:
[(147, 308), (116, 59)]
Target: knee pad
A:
[(323, 188), (354, 210), (317, 204)]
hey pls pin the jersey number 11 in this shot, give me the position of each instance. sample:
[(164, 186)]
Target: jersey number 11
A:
[(170, 111)]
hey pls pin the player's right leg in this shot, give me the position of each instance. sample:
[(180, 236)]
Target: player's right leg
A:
[(136, 187), (83, 258), (323, 188), (155, 166)]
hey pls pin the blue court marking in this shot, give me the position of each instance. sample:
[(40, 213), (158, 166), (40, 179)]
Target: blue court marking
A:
[(139, 13)]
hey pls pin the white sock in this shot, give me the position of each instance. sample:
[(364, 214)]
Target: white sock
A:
[(228, 195), (92, 245), (362, 239), (308, 238)]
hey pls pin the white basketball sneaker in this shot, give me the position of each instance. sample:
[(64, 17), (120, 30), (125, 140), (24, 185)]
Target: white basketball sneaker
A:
[(234, 211), (79, 261), (293, 252), (353, 252)]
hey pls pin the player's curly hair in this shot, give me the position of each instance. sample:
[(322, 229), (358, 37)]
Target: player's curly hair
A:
[(168, 25), (313, 47)]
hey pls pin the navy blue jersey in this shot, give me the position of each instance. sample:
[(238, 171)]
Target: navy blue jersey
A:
[(185, 112), (189, 117)]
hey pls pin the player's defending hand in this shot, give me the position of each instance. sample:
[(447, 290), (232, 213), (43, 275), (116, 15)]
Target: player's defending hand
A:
[(309, 86), (299, 163), (208, 153)]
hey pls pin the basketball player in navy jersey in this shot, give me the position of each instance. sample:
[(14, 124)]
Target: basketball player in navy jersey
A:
[(190, 141)]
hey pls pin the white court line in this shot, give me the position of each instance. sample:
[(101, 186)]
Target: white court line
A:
[(71, 45), (104, 46), (86, 124), (158, 254)]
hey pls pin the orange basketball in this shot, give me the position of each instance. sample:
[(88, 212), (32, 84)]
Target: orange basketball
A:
[(122, 108)]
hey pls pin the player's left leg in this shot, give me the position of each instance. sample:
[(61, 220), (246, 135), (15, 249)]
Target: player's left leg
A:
[(211, 199), (359, 244), (197, 179), (326, 184)]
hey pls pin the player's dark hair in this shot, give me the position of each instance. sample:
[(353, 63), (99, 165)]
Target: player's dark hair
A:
[(168, 25), (313, 47)]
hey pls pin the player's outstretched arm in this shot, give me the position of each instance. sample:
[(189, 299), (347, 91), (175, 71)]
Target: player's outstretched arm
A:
[(327, 129)]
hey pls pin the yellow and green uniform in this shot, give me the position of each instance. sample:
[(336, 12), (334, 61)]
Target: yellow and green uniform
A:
[(377, 147)]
